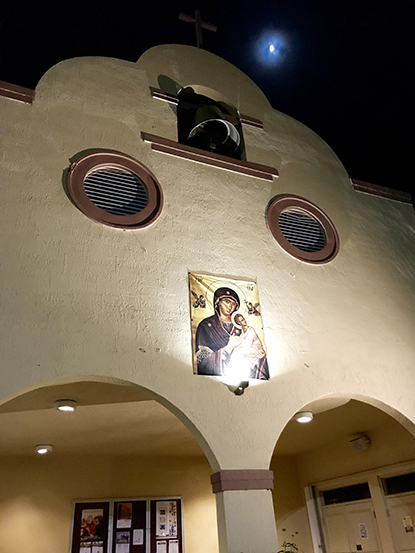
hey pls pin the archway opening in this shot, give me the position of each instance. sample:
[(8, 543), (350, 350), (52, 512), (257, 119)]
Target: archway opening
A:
[(350, 447), (119, 443), (208, 121)]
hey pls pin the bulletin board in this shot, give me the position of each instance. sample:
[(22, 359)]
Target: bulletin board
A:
[(128, 526), (90, 527), (166, 526)]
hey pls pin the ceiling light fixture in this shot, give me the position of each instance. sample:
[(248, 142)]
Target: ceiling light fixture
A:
[(42, 449), (304, 416), (67, 405)]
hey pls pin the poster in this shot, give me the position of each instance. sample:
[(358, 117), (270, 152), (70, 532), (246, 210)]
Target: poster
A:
[(227, 329), (172, 519), (174, 546), (138, 537), (407, 524), (92, 547), (161, 546), (122, 542), (363, 531), (124, 515), (166, 519), (162, 509), (92, 527)]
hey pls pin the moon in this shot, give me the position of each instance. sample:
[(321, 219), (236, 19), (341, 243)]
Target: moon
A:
[(271, 47)]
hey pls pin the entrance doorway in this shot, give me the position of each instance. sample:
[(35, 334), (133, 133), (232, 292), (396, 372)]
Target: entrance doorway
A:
[(375, 515), (351, 527)]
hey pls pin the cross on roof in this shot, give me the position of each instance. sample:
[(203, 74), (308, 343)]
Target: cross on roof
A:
[(199, 24)]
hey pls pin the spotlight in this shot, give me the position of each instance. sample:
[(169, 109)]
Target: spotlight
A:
[(240, 388), (304, 416), (67, 405), (233, 385), (42, 449)]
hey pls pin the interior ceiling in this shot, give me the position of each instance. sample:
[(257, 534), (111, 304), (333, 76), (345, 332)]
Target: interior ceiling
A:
[(121, 420), (344, 422), (114, 419)]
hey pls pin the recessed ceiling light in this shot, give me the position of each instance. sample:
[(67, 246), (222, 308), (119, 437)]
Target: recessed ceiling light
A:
[(304, 416), (67, 405), (42, 449)]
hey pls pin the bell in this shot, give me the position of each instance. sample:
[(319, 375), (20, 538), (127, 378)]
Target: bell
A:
[(208, 125), (215, 135)]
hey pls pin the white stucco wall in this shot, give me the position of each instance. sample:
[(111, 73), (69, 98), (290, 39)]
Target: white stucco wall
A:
[(80, 298)]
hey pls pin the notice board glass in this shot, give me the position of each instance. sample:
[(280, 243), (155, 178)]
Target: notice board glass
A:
[(128, 526)]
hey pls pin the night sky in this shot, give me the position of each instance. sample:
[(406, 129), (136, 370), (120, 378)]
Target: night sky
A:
[(345, 68)]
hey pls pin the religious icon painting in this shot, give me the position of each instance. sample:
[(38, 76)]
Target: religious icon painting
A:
[(227, 329)]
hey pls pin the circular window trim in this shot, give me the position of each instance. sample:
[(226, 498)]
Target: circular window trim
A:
[(80, 169), (327, 253)]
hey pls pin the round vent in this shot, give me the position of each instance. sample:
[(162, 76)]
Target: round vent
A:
[(302, 229), (115, 189)]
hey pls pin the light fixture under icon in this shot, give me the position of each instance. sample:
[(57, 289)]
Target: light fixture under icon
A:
[(234, 386), (239, 389), (43, 449), (66, 405), (303, 417)]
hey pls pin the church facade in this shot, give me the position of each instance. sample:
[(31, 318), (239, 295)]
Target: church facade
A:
[(98, 302)]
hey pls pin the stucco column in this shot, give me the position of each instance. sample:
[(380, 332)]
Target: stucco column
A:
[(246, 521)]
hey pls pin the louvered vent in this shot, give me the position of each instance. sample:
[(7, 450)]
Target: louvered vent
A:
[(116, 191), (302, 230)]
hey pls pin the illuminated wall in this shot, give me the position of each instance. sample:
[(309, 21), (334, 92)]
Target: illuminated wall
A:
[(37, 494), (83, 299)]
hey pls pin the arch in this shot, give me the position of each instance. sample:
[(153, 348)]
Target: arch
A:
[(97, 390), (331, 401), (122, 441), (212, 93), (352, 438)]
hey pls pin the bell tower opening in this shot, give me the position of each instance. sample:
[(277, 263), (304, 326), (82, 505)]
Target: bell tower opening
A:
[(208, 124)]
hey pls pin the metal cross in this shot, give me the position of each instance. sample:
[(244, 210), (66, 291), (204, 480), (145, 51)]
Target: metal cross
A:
[(199, 24)]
